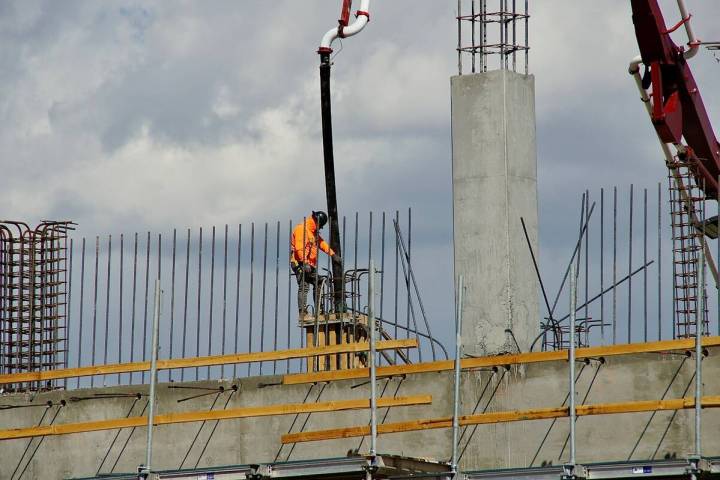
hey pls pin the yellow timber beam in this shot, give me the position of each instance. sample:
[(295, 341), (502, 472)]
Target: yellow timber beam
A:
[(204, 361), (199, 416), (500, 360), (503, 417)]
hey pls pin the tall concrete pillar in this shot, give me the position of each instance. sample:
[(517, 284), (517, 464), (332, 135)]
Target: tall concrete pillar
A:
[(494, 184)]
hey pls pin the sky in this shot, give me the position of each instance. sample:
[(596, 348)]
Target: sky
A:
[(131, 115)]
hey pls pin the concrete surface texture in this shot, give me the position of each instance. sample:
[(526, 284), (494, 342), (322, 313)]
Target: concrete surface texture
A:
[(257, 440), (494, 185)]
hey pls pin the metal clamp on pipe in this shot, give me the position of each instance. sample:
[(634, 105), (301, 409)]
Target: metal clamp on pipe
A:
[(362, 17)]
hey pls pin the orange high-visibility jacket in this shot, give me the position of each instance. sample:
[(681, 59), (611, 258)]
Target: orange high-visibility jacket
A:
[(304, 243)]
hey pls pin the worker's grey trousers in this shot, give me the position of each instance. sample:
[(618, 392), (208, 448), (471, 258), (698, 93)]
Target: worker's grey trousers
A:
[(305, 280)]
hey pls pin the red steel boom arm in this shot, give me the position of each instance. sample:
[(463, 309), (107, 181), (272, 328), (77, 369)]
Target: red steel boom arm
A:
[(677, 111)]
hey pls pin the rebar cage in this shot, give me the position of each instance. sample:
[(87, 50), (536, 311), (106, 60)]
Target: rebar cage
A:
[(33, 297), (493, 35)]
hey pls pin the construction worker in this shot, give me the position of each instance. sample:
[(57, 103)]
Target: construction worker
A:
[(303, 256)]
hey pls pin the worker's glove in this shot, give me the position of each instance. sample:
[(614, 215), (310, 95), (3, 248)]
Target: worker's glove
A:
[(337, 258), (306, 268)]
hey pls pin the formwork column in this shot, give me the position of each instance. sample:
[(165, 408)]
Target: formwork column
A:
[(494, 184)]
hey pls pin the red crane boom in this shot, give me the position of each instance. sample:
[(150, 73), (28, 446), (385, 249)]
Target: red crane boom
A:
[(677, 109)]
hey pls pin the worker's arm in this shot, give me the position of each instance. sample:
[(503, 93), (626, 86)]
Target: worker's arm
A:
[(325, 247)]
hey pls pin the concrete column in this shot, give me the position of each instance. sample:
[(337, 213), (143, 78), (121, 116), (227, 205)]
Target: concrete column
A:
[(494, 184)]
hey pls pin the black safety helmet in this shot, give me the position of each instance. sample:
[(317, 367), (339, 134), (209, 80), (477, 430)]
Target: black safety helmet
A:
[(320, 218)]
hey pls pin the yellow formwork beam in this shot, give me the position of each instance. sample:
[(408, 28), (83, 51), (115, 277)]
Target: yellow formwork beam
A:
[(203, 361), (503, 417), (500, 360), (199, 416)]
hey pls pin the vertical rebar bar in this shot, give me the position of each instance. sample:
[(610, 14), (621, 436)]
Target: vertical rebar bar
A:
[(134, 298), (472, 33), (120, 302), (172, 299), (224, 301), (68, 330), (630, 253), (514, 36), (527, 40), (252, 284), (212, 297), (262, 304), (277, 291), (382, 275), (199, 302), (95, 294), (456, 389), (145, 317), (82, 295), (502, 34), (614, 278), (459, 27), (185, 301), (107, 303), (354, 298), (289, 301), (237, 297)]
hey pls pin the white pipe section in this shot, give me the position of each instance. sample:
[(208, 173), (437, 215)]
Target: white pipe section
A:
[(693, 42), (354, 28)]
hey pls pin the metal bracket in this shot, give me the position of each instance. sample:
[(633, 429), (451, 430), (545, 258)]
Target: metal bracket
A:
[(568, 472), (697, 465)]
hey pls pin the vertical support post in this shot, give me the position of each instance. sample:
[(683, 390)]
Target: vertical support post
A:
[(698, 352), (373, 379), (570, 466), (456, 395), (145, 470), (329, 162)]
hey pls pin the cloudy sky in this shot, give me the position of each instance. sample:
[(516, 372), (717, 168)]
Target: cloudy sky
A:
[(133, 115)]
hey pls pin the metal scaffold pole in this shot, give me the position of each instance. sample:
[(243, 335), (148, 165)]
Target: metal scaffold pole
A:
[(373, 373), (456, 395), (570, 466), (699, 332), (146, 469)]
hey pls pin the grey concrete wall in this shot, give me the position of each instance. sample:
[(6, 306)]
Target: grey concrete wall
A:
[(257, 440), (494, 184)]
